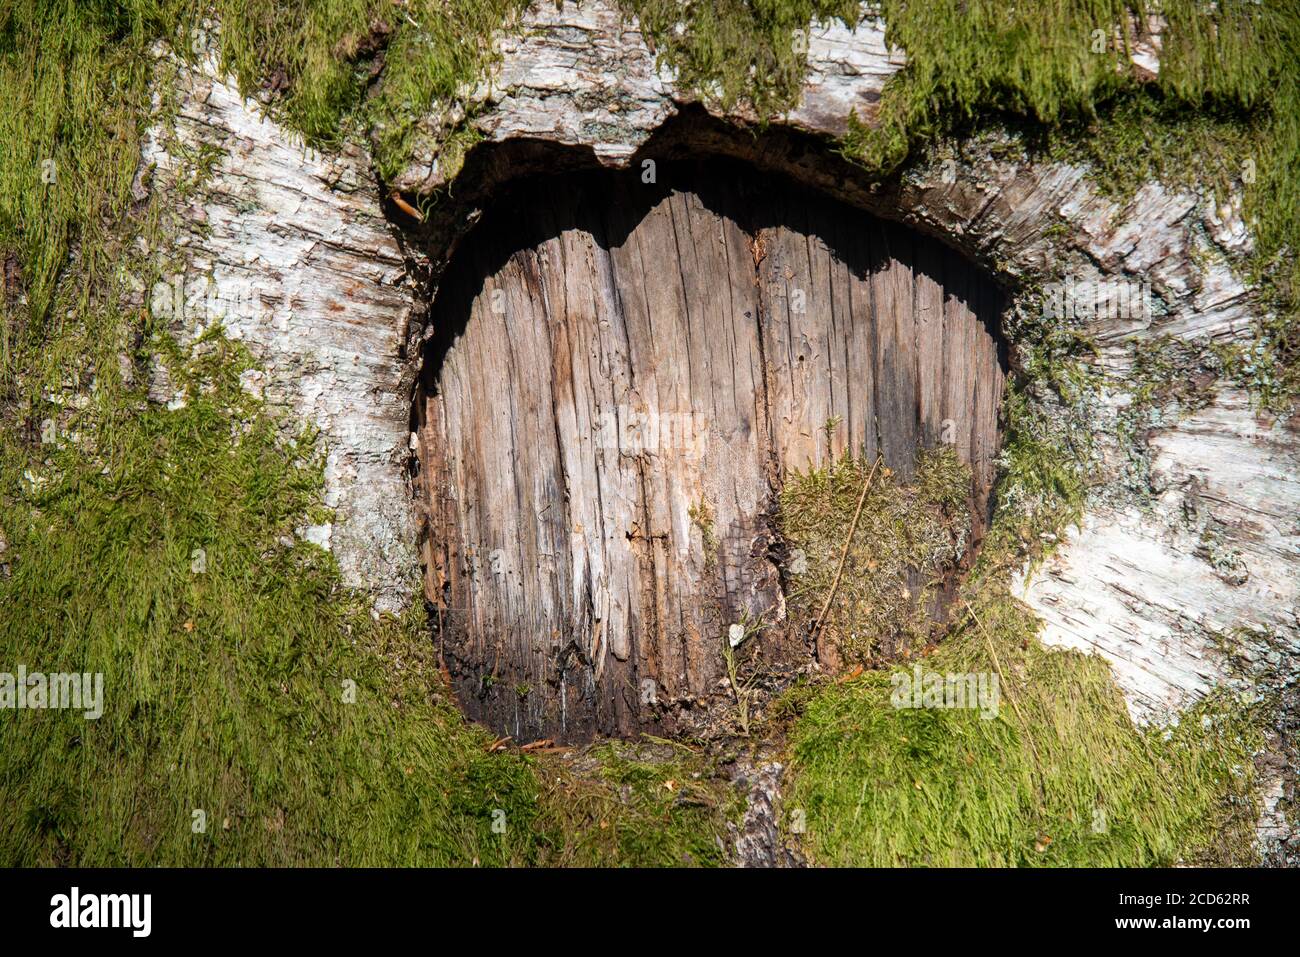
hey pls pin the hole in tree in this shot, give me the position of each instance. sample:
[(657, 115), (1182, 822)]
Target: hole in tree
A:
[(623, 377)]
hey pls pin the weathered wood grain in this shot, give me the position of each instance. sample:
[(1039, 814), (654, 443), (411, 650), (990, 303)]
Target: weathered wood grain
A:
[(626, 376)]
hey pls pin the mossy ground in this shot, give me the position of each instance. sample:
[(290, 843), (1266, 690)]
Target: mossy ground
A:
[(225, 688), (1059, 777), (157, 546), (242, 681), (654, 804)]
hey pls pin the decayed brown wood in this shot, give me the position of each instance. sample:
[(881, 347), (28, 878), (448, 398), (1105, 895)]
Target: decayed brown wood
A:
[(625, 374)]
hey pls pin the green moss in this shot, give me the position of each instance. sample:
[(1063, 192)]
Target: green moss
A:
[(74, 80), (1059, 777), (907, 537), (1046, 464), (1222, 115), (243, 682), (225, 688), (325, 52), (649, 805), (1045, 63), (738, 52), (158, 549)]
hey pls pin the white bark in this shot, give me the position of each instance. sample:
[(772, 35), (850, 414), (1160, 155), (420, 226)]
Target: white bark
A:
[(296, 260)]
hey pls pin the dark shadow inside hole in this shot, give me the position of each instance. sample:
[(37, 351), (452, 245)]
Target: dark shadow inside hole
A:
[(609, 204)]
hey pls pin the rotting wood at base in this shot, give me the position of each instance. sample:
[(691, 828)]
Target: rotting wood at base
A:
[(623, 375)]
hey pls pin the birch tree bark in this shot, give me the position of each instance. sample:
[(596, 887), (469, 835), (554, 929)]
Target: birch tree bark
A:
[(1186, 584)]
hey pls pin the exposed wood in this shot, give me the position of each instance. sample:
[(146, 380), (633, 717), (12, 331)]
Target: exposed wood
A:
[(626, 374)]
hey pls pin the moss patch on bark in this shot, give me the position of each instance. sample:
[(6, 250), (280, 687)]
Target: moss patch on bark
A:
[(908, 538), (1058, 776)]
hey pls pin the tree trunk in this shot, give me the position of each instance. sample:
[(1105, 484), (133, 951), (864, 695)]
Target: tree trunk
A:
[(1176, 579)]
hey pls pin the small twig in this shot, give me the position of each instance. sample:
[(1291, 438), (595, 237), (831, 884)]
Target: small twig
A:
[(535, 745), (733, 678), (498, 744), (844, 553)]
